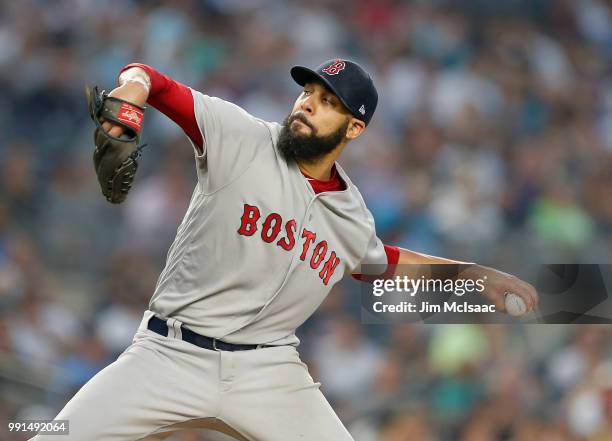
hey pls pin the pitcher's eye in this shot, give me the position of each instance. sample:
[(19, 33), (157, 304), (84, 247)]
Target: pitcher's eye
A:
[(329, 100)]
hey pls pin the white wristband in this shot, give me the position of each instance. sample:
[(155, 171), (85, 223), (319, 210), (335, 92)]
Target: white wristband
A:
[(135, 75)]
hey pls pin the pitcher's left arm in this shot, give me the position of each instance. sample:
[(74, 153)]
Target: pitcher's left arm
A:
[(497, 283)]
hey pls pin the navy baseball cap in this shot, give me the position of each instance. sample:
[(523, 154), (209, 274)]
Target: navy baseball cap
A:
[(347, 80)]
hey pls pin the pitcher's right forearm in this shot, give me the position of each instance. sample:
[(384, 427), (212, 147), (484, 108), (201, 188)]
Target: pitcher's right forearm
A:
[(134, 86), (140, 83), (170, 97)]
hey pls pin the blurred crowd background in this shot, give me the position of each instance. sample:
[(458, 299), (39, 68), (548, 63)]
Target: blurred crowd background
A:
[(492, 142)]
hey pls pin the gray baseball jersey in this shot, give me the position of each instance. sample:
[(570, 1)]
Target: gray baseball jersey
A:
[(258, 250)]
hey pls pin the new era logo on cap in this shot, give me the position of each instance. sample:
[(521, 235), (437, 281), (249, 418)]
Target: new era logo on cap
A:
[(362, 109)]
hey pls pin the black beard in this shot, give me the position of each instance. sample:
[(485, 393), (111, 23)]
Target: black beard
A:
[(307, 148)]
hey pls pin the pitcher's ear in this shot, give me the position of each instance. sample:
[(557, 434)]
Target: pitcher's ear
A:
[(355, 128)]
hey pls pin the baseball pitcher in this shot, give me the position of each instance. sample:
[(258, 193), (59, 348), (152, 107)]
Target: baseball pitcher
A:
[(273, 224)]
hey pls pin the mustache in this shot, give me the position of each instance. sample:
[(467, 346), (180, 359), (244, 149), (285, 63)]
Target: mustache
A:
[(300, 117)]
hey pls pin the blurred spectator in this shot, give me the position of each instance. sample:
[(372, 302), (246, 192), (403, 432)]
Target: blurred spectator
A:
[(76, 368), (346, 361), (409, 425)]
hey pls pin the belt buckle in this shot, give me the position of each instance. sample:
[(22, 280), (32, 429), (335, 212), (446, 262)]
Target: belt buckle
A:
[(214, 342)]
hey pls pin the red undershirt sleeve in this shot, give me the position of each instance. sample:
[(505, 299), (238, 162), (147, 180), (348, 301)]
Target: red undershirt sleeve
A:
[(174, 100), (393, 254)]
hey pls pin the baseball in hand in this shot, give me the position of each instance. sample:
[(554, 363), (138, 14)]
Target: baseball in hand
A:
[(515, 306)]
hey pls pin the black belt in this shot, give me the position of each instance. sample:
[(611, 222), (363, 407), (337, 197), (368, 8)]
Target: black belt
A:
[(158, 325)]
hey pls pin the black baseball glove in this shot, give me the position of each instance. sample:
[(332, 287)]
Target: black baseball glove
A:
[(115, 159)]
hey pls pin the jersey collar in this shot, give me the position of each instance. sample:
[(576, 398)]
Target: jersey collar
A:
[(335, 182)]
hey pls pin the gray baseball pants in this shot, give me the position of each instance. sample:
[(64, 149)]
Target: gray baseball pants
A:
[(162, 384)]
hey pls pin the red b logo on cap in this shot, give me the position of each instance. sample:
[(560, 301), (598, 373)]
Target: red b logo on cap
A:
[(335, 68)]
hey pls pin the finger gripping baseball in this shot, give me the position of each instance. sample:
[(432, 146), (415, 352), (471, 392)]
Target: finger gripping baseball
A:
[(115, 158)]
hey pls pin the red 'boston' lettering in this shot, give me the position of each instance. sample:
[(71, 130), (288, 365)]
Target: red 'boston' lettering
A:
[(318, 254), (329, 267), (269, 232), (310, 237), (248, 222), (287, 243)]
